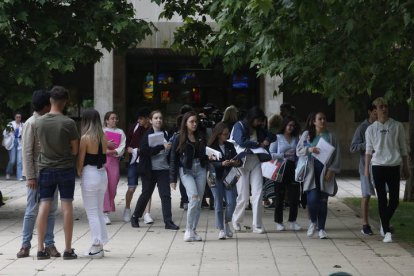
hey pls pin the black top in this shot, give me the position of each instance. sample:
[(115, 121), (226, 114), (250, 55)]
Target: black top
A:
[(95, 159)]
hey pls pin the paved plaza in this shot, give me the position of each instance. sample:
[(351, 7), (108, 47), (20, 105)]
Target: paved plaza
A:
[(152, 250)]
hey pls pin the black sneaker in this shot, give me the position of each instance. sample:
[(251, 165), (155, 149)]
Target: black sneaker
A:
[(134, 222), (70, 255), (366, 230), (42, 255)]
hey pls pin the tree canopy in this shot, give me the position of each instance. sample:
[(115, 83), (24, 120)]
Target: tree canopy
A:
[(39, 36)]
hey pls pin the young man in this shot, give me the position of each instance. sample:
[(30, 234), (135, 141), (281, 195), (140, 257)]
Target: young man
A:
[(133, 141), (30, 155), (58, 139), (358, 146), (385, 149)]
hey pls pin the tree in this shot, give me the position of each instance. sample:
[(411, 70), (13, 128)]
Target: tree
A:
[(340, 49), (39, 36)]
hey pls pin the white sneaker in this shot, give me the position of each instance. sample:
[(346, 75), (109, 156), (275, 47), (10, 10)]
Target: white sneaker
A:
[(222, 235), (7, 176), (295, 226), (106, 218), (127, 215), (258, 230), (227, 229), (188, 236), (236, 226), (311, 229), (21, 179), (387, 237), (382, 231), (197, 237), (322, 234), (96, 251), (148, 219), (280, 227)]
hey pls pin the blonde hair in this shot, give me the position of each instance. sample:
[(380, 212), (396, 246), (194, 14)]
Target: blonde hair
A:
[(274, 122), (379, 101), (230, 114), (91, 125)]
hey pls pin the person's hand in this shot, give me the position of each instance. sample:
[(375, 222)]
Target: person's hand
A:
[(406, 172), (212, 157), (167, 146), (329, 176), (31, 183), (130, 150), (289, 153), (314, 150), (226, 163), (173, 185), (111, 144)]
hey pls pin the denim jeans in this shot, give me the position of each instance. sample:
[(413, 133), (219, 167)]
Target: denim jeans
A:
[(15, 154), (318, 200), (194, 181), (220, 194), (30, 215), (94, 183)]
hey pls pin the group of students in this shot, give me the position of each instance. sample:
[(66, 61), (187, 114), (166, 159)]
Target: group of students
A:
[(50, 145)]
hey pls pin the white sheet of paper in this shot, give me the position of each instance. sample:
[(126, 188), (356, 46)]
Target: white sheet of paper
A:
[(259, 150), (216, 153), (325, 151), (156, 139)]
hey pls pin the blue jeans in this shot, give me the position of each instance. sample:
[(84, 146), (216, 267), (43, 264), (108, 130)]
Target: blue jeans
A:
[(133, 175), (30, 215), (318, 200), (15, 154), (220, 193), (194, 181)]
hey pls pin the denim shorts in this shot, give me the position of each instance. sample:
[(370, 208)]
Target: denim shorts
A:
[(52, 178)]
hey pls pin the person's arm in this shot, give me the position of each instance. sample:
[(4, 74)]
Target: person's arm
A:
[(28, 158), (403, 151), (75, 146), (174, 162), (334, 166), (369, 149), (81, 156), (240, 136), (145, 149), (358, 141), (121, 148)]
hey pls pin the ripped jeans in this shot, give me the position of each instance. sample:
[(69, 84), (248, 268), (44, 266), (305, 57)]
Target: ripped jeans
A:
[(194, 181)]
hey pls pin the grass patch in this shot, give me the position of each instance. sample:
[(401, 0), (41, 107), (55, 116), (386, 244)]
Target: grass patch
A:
[(402, 220)]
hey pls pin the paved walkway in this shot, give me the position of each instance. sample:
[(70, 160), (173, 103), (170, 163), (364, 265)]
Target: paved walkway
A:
[(152, 250)]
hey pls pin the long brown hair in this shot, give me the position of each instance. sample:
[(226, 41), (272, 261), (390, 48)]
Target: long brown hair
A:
[(217, 131), (184, 132)]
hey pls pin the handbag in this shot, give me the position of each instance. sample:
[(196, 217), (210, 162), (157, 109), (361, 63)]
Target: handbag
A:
[(211, 176), (274, 169), (300, 171), (231, 178)]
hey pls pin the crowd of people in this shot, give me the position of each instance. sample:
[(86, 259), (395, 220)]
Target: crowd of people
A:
[(182, 158)]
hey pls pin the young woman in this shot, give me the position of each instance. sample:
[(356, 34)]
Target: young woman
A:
[(230, 116), (188, 160), (319, 181), (218, 141), (116, 146), (285, 148), (250, 134), (14, 131), (94, 180), (154, 168)]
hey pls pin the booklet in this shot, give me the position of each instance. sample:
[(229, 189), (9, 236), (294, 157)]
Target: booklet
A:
[(156, 139), (216, 153), (325, 151), (114, 137)]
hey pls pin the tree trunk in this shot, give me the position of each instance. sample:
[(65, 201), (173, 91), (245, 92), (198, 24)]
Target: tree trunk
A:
[(409, 191)]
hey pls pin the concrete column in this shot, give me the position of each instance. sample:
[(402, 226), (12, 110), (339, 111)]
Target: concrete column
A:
[(271, 103), (103, 83)]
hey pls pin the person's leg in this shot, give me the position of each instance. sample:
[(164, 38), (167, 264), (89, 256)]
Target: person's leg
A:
[(230, 196), (183, 193), (12, 159), (148, 186), (279, 201), (256, 182), (67, 213), (323, 210), (132, 184), (190, 186), (30, 217), (243, 196), (218, 204), (163, 183), (44, 209), (313, 204), (378, 174), (50, 236), (200, 178), (294, 194), (112, 167), (393, 182), (19, 165)]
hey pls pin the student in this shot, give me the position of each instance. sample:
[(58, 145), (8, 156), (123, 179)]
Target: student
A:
[(285, 148), (250, 134), (386, 149), (222, 166), (154, 168), (319, 181), (94, 180), (58, 139), (116, 147), (188, 160), (14, 130), (358, 145), (133, 140), (30, 155)]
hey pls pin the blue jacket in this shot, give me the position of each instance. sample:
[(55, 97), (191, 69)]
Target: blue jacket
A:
[(241, 135)]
